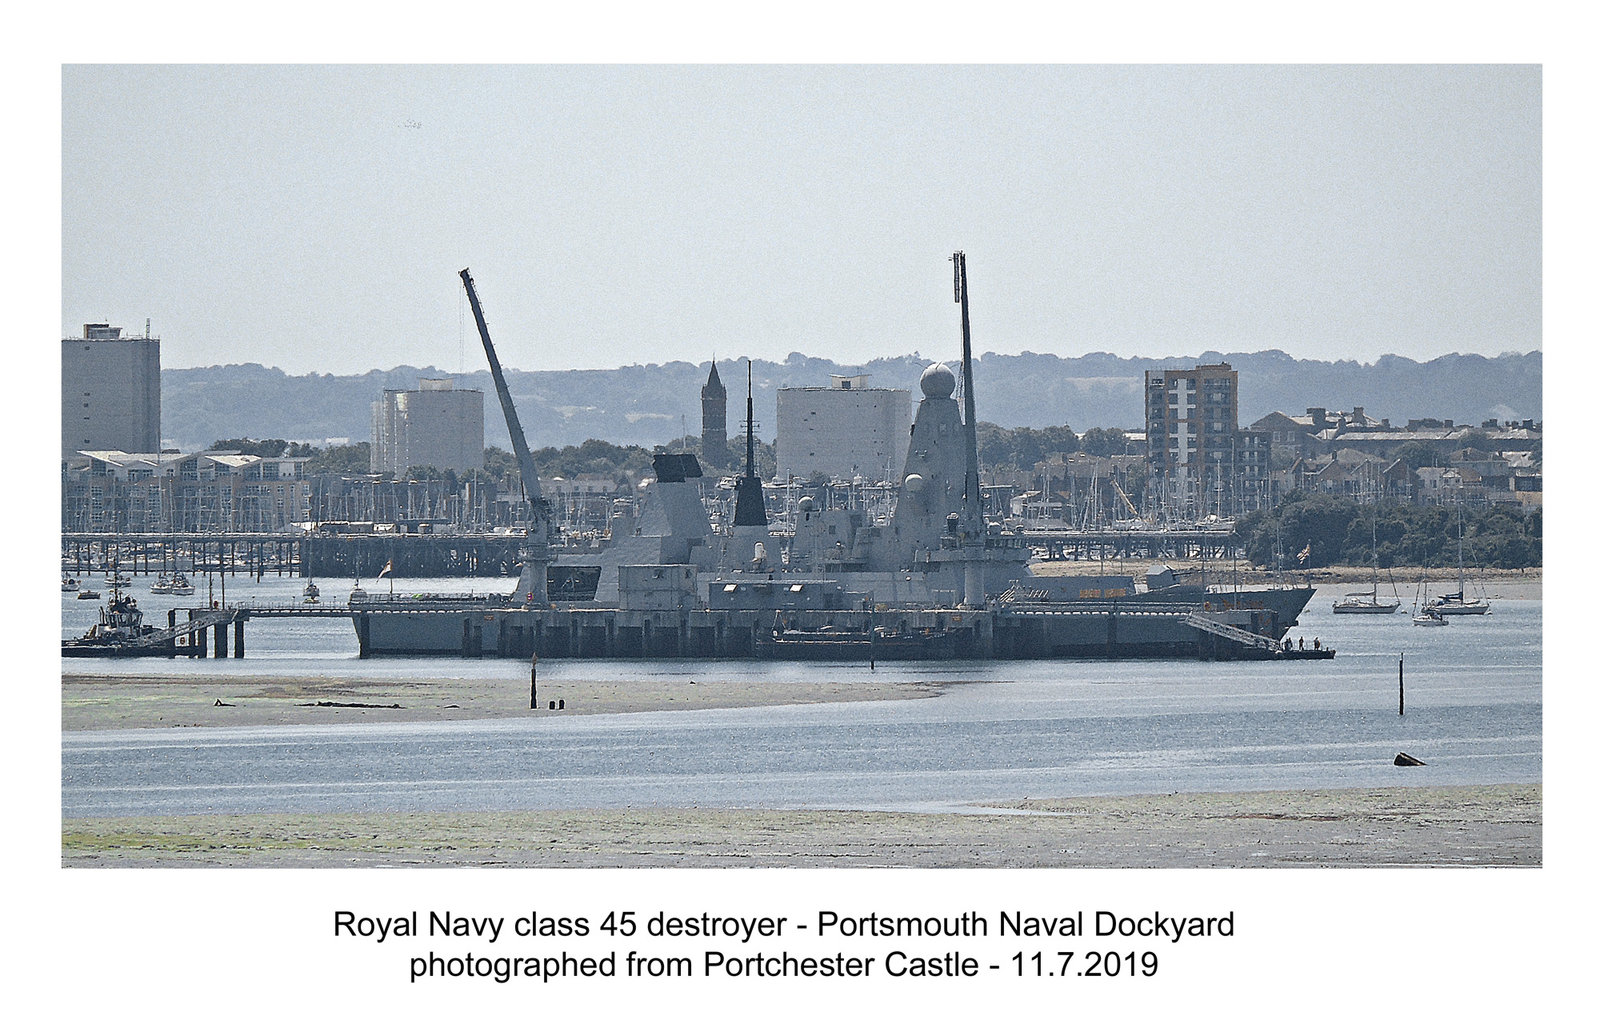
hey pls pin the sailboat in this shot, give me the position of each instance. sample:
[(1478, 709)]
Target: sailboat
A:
[(174, 582), (1429, 616), (1367, 602), (1458, 603), (1426, 615)]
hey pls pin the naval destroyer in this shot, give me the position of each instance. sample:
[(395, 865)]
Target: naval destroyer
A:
[(939, 579)]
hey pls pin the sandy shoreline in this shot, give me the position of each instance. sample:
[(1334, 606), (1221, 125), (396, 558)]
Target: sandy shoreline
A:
[(1484, 826), (129, 702)]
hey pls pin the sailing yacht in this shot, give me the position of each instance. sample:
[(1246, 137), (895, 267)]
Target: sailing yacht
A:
[(1367, 602), (1458, 603), (1425, 614)]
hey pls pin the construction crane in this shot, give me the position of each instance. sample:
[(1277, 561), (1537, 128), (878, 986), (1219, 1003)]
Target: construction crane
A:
[(533, 583)]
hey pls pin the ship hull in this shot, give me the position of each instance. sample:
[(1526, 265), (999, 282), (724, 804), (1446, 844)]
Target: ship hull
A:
[(1132, 627), (1364, 608)]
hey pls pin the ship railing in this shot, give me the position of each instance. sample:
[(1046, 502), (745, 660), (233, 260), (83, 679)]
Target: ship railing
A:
[(1089, 607), (429, 602)]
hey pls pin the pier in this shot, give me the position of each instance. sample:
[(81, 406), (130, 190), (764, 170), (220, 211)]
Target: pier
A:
[(433, 555), (295, 554)]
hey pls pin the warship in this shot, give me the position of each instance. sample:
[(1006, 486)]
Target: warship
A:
[(938, 580)]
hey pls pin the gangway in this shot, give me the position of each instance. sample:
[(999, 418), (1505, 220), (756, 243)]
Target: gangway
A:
[(208, 618), (1222, 629)]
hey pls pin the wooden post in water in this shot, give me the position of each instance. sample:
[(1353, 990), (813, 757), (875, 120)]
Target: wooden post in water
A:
[(1402, 683), (533, 684)]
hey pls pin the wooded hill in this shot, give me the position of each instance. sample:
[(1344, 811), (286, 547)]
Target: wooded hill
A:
[(656, 403)]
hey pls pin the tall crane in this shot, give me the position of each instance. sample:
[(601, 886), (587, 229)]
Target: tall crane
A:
[(533, 584)]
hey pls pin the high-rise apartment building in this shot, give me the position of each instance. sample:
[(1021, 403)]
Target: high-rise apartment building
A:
[(1191, 438), (110, 392), (844, 430), (436, 425)]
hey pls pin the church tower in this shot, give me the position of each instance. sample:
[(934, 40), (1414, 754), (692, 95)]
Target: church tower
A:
[(714, 421)]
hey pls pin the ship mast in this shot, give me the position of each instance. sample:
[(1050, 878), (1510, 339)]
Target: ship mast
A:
[(749, 505), (972, 516)]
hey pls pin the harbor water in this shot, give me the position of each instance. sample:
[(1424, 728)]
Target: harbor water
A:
[(995, 733)]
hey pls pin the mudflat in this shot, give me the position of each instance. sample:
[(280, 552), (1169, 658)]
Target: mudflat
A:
[(1481, 826), (130, 702)]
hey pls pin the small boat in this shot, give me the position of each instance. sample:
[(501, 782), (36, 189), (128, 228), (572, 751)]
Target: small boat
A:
[(116, 579), (1429, 616), (830, 644), (176, 584), (88, 595), (310, 594), (1365, 602), (70, 585)]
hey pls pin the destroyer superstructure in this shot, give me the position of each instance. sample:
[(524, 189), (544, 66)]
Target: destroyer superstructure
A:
[(937, 580)]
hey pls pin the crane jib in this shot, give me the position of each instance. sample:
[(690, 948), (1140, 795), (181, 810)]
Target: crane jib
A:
[(519, 443)]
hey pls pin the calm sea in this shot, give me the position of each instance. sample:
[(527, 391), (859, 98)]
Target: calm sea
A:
[(1000, 731)]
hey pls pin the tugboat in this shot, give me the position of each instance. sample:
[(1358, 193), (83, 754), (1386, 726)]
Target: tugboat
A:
[(120, 631)]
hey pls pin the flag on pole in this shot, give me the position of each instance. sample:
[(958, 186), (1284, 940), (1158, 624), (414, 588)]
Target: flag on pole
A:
[(389, 568), (1304, 554)]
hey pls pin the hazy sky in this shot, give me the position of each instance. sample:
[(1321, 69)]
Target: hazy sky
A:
[(314, 217)]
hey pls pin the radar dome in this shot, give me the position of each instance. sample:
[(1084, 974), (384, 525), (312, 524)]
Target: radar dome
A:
[(913, 483), (808, 504), (938, 382)]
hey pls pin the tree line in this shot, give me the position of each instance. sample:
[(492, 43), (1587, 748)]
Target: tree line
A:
[(1332, 530)]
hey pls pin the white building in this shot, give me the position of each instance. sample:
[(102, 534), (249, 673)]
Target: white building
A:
[(844, 430), (110, 392), (437, 425)]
